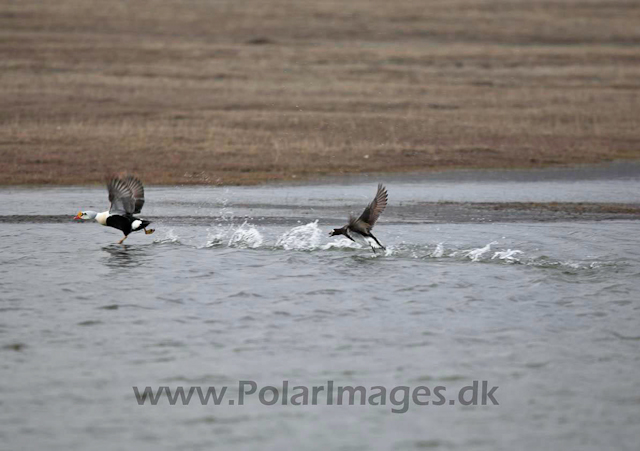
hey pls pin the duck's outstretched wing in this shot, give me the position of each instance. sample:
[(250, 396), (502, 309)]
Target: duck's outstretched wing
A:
[(373, 211), (121, 198), (137, 191)]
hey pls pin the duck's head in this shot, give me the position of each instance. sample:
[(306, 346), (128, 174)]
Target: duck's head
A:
[(86, 215), (340, 231)]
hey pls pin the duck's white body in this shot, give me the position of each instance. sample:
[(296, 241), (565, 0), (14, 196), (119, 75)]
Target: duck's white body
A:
[(101, 218)]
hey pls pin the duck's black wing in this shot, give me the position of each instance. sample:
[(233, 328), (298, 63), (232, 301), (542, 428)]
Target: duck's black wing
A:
[(373, 211), (137, 191), (121, 198)]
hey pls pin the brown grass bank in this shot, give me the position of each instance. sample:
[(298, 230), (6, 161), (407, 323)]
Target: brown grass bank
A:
[(255, 90)]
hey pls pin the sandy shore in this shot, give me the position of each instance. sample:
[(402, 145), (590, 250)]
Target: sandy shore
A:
[(254, 91)]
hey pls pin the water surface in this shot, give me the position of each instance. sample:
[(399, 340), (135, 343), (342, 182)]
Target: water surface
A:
[(245, 284)]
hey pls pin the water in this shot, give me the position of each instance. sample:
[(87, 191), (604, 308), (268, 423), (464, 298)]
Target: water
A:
[(245, 284)]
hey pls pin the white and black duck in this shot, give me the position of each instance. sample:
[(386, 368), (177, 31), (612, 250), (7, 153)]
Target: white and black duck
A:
[(127, 198), (362, 225)]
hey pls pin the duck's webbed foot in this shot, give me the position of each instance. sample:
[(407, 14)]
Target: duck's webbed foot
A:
[(122, 240), (149, 232)]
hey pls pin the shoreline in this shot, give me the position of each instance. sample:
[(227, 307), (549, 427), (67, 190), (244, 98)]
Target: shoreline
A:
[(418, 213), (622, 168)]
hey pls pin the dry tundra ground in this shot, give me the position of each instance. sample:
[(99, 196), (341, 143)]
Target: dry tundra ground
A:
[(228, 91)]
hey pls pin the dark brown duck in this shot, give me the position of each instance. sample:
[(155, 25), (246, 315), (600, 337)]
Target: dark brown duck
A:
[(363, 225)]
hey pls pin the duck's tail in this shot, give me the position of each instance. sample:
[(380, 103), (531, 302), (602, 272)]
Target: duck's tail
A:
[(143, 225)]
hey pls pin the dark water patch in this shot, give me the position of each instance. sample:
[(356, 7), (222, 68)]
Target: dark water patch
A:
[(9, 309), (90, 323), (35, 219), (126, 306), (211, 419), (324, 291), (536, 365), (626, 337), (245, 294), (423, 444), (417, 344), (411, 212), (15, 347), (621, 303), (451, 378), (281, 313), (169, 344), (172, 299)]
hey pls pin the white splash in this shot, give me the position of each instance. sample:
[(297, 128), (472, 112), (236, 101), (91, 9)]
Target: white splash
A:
[(476, 254), (342, 243), (371, 243), (508, 255), (226, 213), (438, 251), (305, 237), (215, 239), (246, 236)]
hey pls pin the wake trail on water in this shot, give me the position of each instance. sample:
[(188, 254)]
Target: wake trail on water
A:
[(310, 238)]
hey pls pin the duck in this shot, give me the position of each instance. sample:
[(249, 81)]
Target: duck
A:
[(362, 225), (127, 198)]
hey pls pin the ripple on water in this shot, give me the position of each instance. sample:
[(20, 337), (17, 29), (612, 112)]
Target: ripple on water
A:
[(245, 294), (169, 237), (324, 291)]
